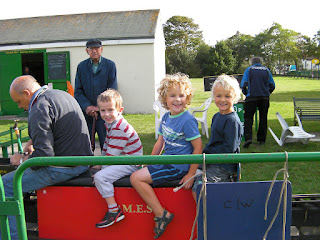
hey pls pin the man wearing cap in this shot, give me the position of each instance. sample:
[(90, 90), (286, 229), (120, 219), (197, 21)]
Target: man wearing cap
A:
[(94, 76)]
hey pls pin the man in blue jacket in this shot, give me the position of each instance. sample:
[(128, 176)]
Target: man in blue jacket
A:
[(94, 76), (257, 84)]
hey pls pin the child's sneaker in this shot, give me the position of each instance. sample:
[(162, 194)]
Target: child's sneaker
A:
[(110, 218)]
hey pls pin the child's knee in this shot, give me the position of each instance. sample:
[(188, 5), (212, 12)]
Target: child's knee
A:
[(137, 176), (98, 177), (133, 177)]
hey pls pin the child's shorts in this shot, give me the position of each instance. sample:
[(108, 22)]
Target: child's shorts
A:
[(162, 173)]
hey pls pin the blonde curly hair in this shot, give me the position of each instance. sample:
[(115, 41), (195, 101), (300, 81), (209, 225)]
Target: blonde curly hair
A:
[(180, 80)]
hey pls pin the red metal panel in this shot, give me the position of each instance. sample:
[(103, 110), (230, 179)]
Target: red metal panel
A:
[(72, 212)]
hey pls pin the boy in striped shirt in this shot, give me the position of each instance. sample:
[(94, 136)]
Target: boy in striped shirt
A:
[(121, 139)]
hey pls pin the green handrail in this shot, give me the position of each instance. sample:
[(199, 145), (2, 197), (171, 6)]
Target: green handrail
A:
[(147, 159), (4, 219)]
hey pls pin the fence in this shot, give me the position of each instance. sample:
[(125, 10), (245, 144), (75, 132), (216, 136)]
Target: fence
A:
[(304, 74), (15, 206)]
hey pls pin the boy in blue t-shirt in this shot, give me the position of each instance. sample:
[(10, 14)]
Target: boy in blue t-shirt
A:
[(226, 130), (178, 134)]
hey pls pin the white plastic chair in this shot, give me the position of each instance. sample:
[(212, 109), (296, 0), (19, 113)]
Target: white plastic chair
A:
[(159, 112), (291, 134), (203, 120)]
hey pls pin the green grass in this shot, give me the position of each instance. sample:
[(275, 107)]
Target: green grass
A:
[(304, 176), (5, 126)]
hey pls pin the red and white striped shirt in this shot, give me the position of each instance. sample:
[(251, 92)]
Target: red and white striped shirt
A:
[(121, 139)]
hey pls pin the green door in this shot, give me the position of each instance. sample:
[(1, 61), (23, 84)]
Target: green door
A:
[(57, 69), (10, 68)]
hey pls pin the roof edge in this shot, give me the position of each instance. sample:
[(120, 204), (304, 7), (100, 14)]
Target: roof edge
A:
[(76, 44), (75, 14)]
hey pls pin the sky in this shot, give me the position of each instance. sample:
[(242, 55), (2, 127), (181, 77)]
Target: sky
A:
[(217, 19)]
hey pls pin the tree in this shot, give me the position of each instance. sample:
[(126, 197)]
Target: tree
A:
[(215, 60), (183, 61), (222, 59), (203, 60), (281, 47), (182, 32), (242, 48), (314, 47), (183, 38)]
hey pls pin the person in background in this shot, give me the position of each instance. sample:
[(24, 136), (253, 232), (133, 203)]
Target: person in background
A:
[(56, 127), (121, 139), (27, 71), (257, 84), (94, 75), (178, 135)]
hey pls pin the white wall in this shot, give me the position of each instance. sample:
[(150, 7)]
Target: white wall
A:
[(140, 65), (159, 56), (308, 65), (136, 71)]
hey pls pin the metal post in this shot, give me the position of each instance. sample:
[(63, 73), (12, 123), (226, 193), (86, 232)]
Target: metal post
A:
[(18, 195), (4, 222), (11, 136)]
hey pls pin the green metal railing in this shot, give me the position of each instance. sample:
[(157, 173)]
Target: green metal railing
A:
[(16, 204)]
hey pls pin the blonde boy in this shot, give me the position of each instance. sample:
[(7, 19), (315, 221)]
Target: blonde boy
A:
[(178, 135), (121, 139), (226, 129)]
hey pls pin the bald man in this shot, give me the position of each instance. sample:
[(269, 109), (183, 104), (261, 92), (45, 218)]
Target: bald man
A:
[(56, 127)]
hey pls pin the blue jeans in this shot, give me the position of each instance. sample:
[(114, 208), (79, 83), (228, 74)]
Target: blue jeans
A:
[(37, 179)]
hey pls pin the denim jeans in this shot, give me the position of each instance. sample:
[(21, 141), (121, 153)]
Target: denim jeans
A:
[(37, 179)]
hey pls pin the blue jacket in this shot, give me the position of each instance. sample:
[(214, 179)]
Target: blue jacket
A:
[(89, 85), (257, 81)]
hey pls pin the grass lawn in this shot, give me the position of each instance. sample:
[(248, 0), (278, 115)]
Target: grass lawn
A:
[(304, 176)]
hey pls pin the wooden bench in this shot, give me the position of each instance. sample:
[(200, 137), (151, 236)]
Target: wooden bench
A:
[(307, 109), (10, 140)]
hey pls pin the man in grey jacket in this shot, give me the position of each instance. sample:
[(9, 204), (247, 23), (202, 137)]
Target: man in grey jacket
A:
[(56, 127)]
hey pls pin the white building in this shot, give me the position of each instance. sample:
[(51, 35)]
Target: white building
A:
[(53, 46), (308, 64)]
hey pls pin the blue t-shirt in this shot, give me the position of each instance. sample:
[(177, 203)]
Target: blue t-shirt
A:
[(177, 132)]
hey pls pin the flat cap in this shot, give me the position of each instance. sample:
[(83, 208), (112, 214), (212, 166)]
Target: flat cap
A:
[(93, 42)]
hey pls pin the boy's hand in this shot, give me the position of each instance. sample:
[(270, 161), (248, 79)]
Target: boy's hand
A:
[(98, 167), (185, 178)]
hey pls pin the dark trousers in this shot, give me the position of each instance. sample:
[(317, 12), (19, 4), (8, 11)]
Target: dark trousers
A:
[(249, 111)]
